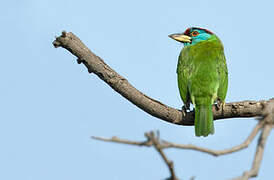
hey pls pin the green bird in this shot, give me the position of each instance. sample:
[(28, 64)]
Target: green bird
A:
[(202, 75)]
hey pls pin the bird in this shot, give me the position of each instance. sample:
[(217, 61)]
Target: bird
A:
[(202, 76)]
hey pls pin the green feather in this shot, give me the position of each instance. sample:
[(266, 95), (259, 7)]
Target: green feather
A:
[(203, 120)]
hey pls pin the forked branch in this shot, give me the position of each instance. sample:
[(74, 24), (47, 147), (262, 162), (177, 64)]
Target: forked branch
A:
[(265, 124), (166, 144), (268, 119), (160, 145)]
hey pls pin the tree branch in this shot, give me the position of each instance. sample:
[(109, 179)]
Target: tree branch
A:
[(155, 108), (268, 119), (241, 146), (157, 145), (166, 144), (152, 140), (115, 139), (253, 172)]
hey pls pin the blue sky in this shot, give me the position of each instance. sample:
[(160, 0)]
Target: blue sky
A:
[(50, 105)]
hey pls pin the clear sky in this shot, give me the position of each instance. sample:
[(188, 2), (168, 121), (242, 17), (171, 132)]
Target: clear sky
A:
[(50, 105)]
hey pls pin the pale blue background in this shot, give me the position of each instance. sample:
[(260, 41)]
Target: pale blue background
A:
[(50, 105)]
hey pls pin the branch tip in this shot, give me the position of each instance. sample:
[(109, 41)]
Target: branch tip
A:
[(64, 34), (56, 43)]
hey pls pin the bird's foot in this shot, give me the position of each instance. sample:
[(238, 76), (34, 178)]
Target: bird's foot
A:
[(184, 109), (220, 105)]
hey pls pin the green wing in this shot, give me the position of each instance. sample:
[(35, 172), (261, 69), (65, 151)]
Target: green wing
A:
[(222, 69), (183, 69)]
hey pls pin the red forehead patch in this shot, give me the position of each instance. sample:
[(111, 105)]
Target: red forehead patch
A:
[(188, 30)]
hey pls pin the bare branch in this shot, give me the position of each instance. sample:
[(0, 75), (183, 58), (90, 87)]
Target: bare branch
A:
[(155, 108), (243, 145), (165, 144), (268, 119), (253, 172), (152, 140), (161, 144), (147, 143), (157, 145)]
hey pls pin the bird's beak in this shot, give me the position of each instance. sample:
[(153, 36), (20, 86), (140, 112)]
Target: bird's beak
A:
[(180, 37)]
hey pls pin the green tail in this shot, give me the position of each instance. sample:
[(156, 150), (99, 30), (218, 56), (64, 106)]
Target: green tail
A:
[(203, 120)]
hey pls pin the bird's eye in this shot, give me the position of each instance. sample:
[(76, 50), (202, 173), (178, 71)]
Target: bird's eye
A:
[(195, 33)]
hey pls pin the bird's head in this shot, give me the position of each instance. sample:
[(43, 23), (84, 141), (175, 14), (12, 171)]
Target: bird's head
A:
[(192, 36)]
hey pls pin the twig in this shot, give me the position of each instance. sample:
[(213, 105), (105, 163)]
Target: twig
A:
[(155, 108), (243, 145), (152, 140), (157, 145), (268, 119), (165, 144), (253, 172), (147, 143)]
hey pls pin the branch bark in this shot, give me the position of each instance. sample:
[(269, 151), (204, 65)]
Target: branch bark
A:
[(155, 108)]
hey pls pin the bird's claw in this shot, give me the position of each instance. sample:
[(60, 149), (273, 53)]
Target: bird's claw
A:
[(220, 105), (184, 111), (185, 108)]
